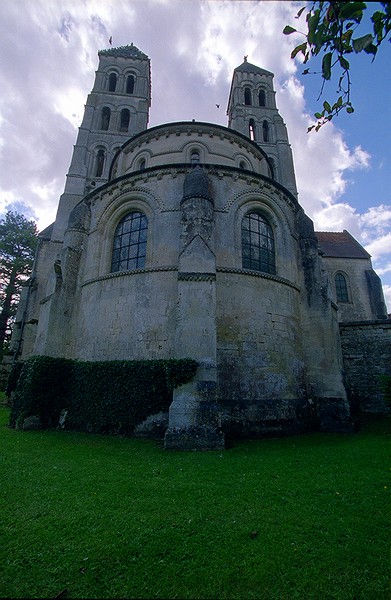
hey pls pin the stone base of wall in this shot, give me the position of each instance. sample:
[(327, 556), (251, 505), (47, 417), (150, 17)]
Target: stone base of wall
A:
[(274, 418), (366, 349)]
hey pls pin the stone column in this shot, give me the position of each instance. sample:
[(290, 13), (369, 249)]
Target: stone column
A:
[(193, 415)]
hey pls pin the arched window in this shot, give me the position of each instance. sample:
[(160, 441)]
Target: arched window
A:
[(142, 164), (242, 165), (130, 243), (105, 118), (125, 118), (100, 161), (341, 288), (247, 96), (262, 98), (113, 82), (195, 158), (251, 128), (265, 131), (130, 84), (258, 251)]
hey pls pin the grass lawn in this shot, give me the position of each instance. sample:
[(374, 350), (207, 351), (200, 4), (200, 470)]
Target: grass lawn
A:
[(300, 517)]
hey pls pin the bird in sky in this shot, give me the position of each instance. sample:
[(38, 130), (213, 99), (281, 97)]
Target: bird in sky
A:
[(218, 105), (110, 40)]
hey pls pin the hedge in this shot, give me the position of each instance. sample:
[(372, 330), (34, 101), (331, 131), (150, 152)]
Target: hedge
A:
[(102, 397)]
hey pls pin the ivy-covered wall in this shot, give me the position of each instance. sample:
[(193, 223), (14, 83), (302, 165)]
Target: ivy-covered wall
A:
[(102, 397)]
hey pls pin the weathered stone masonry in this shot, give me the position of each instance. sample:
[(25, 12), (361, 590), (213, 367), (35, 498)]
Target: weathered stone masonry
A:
[(366, 348), (187, 240)]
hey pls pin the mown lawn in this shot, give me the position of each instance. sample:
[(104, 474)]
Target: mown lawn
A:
[(300, 517)]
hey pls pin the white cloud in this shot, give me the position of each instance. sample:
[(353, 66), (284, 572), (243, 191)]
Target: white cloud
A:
[(380, 246), (387, 295)]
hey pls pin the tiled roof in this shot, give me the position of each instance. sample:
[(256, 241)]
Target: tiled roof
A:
[(123, 52), (340, 245), (247, 67)]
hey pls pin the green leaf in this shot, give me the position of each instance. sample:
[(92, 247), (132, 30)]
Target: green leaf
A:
[(371, 49), (344, 63), (351, 10), (326, 66), (288, 30), (350, 109), (363, 42), (298, 49), (313, 21), (300, 12), (326, 106), (319, 115)]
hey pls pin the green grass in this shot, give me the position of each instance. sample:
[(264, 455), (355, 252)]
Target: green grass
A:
[(300, 517)]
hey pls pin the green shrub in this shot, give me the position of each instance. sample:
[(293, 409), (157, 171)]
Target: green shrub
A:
[(103, 397)]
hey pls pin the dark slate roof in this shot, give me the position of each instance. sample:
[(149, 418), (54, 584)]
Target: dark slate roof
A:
[(340, 245), (247, 67), (123, 52)]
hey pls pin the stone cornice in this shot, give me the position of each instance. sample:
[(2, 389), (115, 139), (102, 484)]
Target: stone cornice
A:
[(182, 276), (193, 276), (127, 273), (131, 181), (249, 273)]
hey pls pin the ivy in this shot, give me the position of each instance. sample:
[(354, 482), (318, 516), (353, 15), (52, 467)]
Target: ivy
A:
[(103, 397)]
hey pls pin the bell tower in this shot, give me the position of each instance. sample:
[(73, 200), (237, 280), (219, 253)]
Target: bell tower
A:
[(252, 111), (117, 108)]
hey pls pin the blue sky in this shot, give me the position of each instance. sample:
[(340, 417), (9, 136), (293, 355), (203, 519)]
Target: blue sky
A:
[(49, 50)]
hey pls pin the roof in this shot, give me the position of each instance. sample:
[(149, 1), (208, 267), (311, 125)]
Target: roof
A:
[(247, 67), (340, 245), (46, 234), (123, 52)]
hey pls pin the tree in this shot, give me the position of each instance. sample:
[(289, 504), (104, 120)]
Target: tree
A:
[(331, 28), (18, 241)]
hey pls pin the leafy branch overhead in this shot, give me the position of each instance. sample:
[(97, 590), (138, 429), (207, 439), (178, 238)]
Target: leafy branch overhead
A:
[(332, 29)]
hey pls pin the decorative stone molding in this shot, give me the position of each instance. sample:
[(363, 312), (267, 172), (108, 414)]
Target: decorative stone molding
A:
[(127, 274), (196, 276), (258, 274)]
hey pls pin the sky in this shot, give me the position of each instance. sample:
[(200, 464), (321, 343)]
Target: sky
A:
[(48, 51)]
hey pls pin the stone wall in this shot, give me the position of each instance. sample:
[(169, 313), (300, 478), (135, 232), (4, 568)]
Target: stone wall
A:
[(366, 348)]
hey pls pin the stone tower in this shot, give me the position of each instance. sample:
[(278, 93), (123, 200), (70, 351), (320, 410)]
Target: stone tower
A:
[(117, 108), (252, 110)]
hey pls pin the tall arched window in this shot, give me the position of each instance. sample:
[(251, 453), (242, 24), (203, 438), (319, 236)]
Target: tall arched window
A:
[(105, 118), (125, 118), (130, 243), (130, 84), (262, 98), (100, 161), (265, 131), (247, 96), (112, 82), (341, 288), (251, 129), (258, 249)]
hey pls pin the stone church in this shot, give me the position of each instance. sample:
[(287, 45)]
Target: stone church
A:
[(187, 240)]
